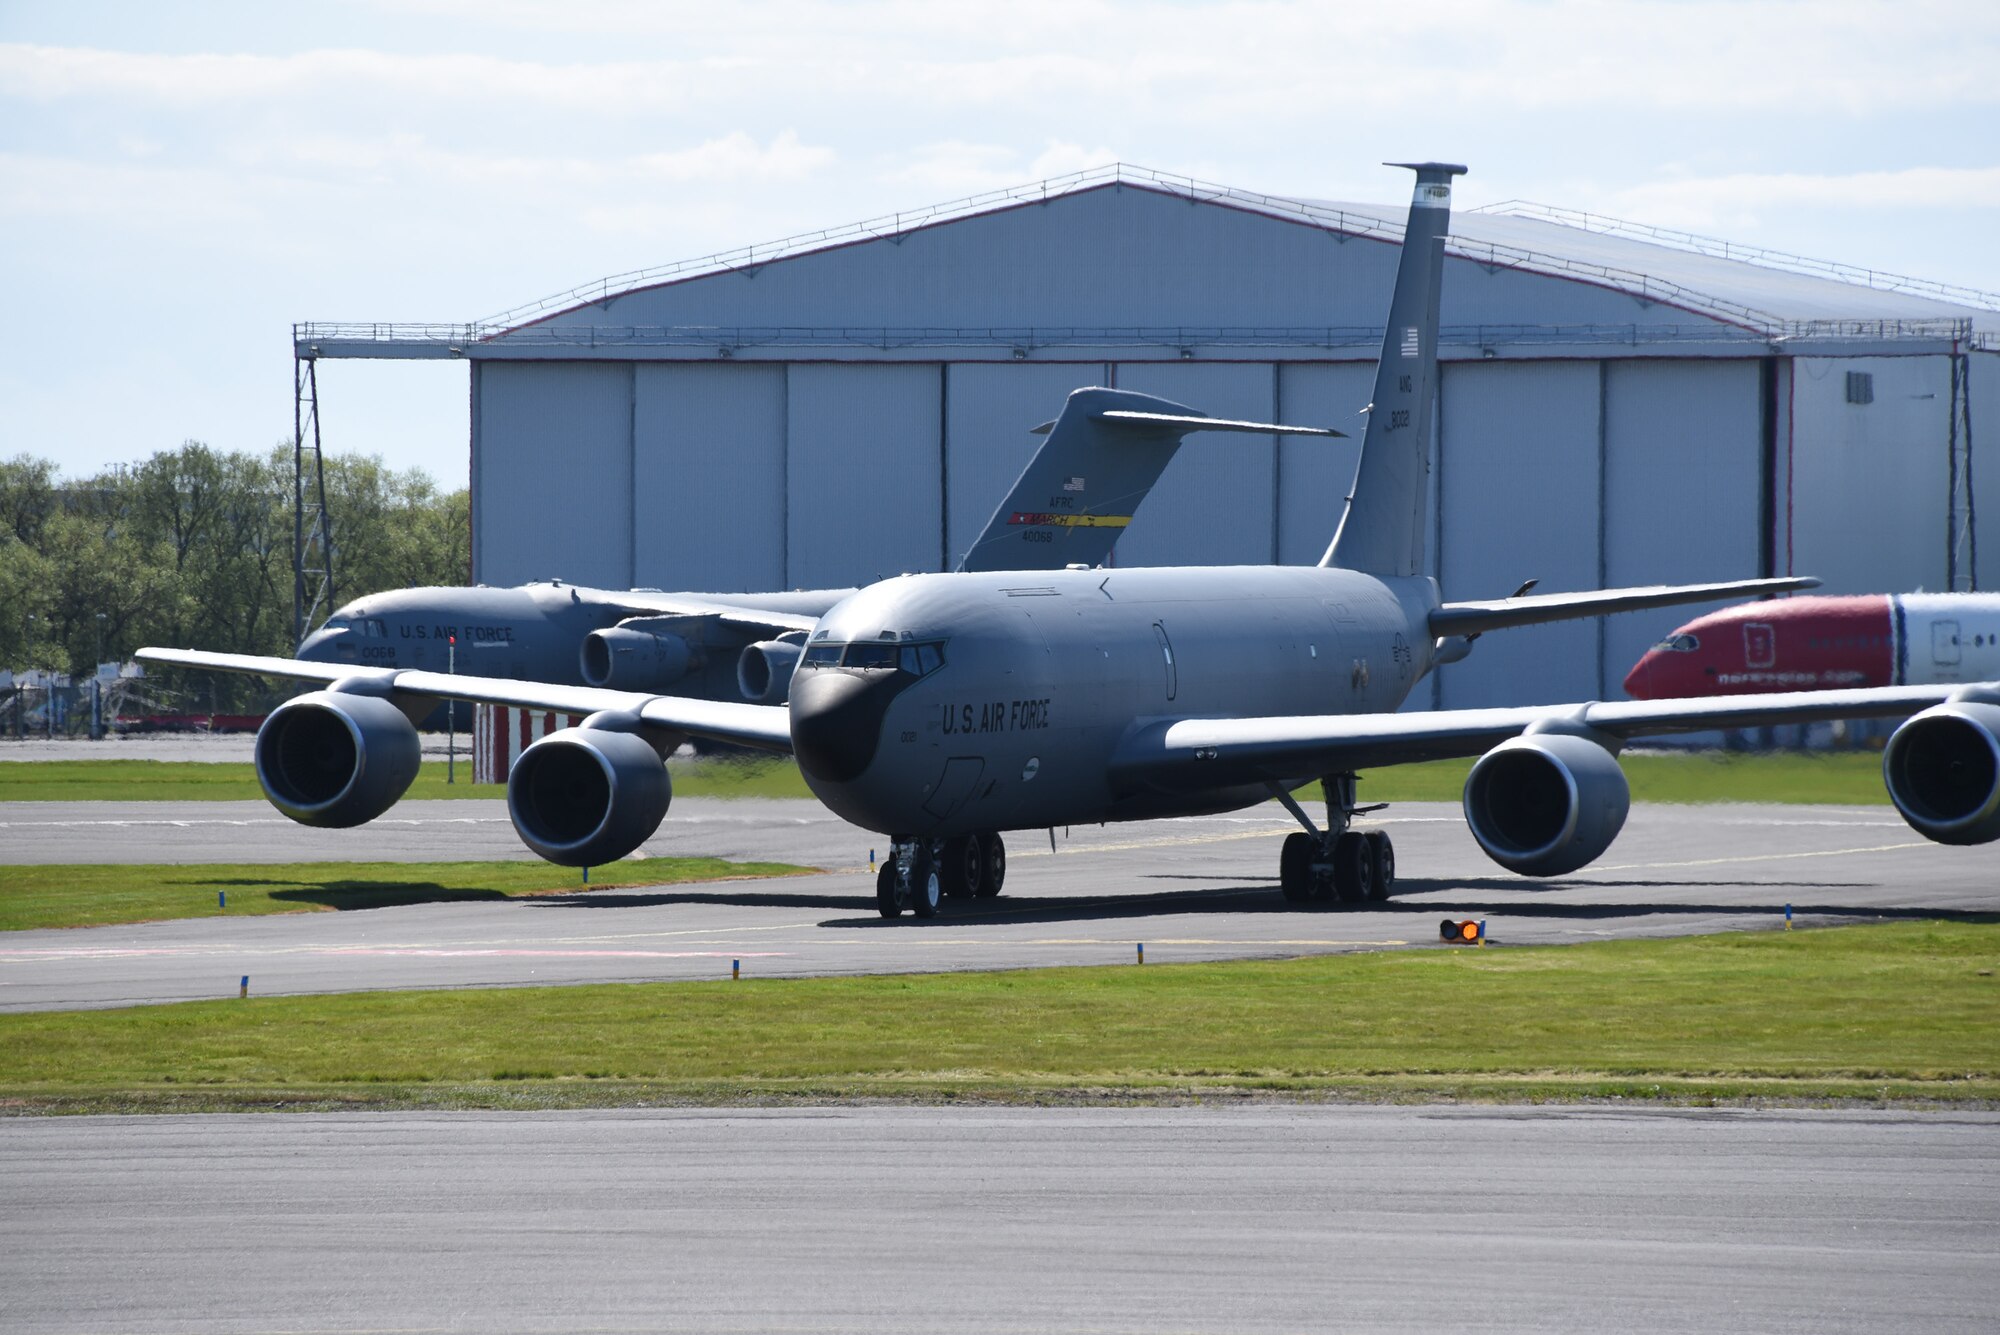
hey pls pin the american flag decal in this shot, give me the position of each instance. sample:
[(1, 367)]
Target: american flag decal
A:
[(1410, 342), (1074, 484)]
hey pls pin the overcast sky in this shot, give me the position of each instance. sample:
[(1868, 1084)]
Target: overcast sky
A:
[(180, 183)]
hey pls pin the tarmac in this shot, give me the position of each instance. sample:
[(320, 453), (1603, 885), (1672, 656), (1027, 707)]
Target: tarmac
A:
[(1193, 889)]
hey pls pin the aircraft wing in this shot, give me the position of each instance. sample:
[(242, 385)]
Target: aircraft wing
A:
[(1476, 618), (1176, 753), (764, 726)]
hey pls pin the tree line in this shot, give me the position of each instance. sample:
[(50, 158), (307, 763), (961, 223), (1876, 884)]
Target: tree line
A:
[(193, 547)]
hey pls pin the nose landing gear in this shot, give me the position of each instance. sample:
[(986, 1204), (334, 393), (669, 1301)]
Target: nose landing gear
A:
[(920, 873), (1337, 865)]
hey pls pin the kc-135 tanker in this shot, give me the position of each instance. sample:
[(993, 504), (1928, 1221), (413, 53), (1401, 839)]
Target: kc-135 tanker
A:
[(943, 710)]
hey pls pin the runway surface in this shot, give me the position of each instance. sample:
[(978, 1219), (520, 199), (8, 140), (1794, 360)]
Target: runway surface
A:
[(1192, 889), (921, 1219)]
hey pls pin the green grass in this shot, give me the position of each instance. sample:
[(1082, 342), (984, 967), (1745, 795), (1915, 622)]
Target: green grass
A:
[(1900, 1012), (1847, 777), (97, 895), (204, 781)]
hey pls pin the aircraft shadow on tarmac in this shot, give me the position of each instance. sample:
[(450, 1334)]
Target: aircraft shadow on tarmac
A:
[(346, 895)]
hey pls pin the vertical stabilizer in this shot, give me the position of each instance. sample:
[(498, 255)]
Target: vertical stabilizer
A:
[(1103, 454), (1382, 532)]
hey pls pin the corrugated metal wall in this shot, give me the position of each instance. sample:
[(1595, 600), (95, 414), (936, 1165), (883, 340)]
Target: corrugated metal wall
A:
[(865, 473), (552, 467), (1869, 480), (1519, 476), (1683, 450), (708, 496), (1985, 368)]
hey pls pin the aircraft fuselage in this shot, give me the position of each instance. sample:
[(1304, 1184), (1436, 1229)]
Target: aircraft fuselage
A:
[(937, 705)]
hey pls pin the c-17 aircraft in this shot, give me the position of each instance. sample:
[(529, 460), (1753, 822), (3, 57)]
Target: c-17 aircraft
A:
[(942, 710), (1102, 456)]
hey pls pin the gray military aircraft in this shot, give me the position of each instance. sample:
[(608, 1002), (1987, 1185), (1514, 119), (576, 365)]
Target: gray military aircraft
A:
[(1102, 456), (944, 709)]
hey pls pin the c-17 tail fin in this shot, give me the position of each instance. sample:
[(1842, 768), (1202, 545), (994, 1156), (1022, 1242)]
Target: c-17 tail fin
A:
[(1103, 454), (1382, 531)]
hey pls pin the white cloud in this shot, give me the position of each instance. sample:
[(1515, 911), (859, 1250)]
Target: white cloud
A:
[(1719, 201)]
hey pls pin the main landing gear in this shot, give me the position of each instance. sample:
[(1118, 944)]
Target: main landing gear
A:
[(1337, 865), (921, 873)]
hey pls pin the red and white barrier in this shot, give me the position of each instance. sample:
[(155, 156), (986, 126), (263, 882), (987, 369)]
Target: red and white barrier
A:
[(500, 733)]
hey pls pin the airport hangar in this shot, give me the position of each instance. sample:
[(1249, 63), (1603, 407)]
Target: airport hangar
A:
[(1618, 404)]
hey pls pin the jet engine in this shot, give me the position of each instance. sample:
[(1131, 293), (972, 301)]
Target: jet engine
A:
[(764, 671), (1942, 768), (1546, 803), (636, 655), (336, 758), (586, 796)]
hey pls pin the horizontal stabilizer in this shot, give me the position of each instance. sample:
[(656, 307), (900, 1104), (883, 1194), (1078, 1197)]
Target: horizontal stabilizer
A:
[(1198, 423), (1476, 618)]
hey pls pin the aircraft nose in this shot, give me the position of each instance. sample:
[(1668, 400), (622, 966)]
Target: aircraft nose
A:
[(837, 720), (318, 647), (1656, 676)]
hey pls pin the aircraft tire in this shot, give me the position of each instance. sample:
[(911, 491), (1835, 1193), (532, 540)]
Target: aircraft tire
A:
[(993, 865), (1383, 851), (926, 885), (885, 890), (1353, 868), (1295, 869), (963, 867)]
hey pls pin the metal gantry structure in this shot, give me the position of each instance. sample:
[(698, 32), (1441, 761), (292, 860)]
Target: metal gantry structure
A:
[(1961, 527), (312, 527)]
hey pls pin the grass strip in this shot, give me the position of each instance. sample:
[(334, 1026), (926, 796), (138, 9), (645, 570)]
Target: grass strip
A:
[(1843, 777), (96, 895), (230, 781), (1897, 1012)]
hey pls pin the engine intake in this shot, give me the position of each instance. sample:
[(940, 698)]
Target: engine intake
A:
[(336, 759), (1546, 804), (1942, 769), (632, 657), (586, 796), (764, 672)]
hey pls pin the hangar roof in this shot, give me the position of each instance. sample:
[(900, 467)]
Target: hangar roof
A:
[(1758, 291)]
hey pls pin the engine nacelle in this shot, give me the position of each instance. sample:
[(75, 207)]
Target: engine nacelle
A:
[(586, 796), (632, 657), (1547, 803), (1942, 768), (764, 672), (336, 758)]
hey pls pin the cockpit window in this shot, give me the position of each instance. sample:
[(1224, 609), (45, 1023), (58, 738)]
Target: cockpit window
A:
[(917, 660), (868, 654), (1679, 644)]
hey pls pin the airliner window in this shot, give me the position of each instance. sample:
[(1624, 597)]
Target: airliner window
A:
[(930, 658), (334, 623), (823, 655), (1679, 644)]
